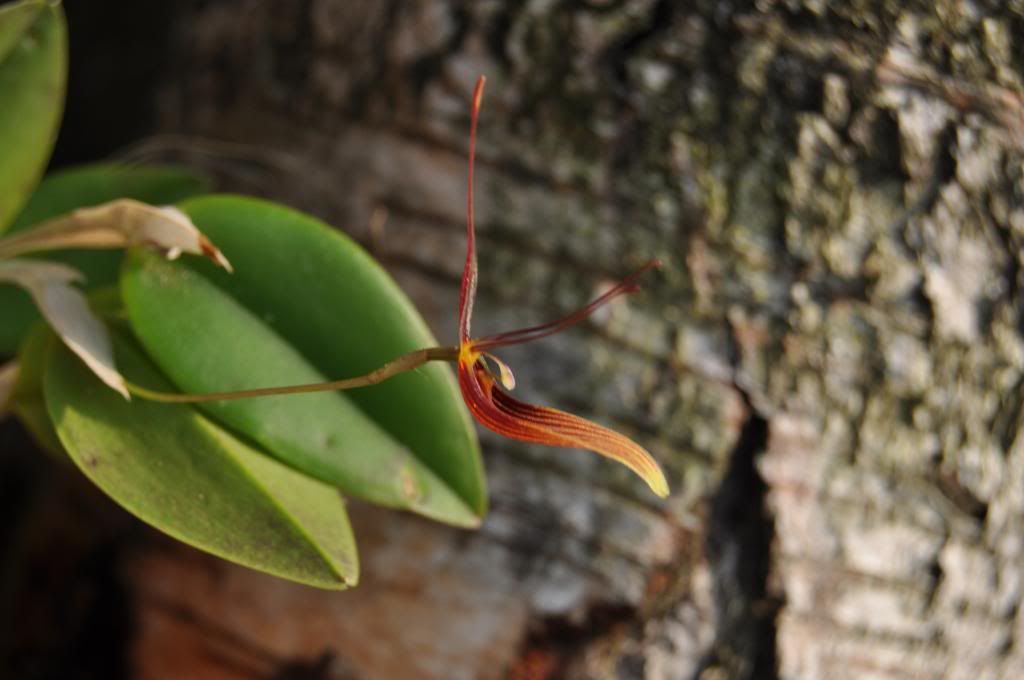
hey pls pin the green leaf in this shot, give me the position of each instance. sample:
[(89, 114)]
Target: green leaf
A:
[(33, 73), (81, 187), (27, 400), (28, 403), (347, 316), (205, 341), (176, 470), (15, 20)]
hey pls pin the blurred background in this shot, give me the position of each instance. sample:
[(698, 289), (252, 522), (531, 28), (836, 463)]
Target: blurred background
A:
[(829, 367)]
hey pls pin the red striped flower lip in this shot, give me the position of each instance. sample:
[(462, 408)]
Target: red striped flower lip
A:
[(485, 380)]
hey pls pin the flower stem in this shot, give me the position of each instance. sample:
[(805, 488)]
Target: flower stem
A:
[(406, 362)]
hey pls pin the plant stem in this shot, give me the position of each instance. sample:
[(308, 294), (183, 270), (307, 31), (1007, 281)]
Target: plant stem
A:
[(406, 362)]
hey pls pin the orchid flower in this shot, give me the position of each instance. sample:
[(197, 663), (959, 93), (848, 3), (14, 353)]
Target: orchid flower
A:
[(483, 387), (483, 378)]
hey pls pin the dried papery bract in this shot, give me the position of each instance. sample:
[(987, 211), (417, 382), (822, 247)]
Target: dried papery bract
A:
[(117, 224), (66, 310)]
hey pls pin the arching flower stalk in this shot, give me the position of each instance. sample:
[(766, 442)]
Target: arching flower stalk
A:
[(483, 388), (483, 378)]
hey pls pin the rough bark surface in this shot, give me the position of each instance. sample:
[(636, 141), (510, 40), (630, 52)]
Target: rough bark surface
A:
[(830, 366)]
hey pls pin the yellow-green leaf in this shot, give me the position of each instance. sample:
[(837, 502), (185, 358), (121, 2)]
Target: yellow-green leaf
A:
[(33, 74), (205, 341), (180, 472), (331, 301), (27, 401)]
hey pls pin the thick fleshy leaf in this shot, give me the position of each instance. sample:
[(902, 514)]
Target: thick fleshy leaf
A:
[(205, 341), (66, 310), (178, 471), (27, 400), (33, 72), (68, 190), (15, 19), (346, 315)]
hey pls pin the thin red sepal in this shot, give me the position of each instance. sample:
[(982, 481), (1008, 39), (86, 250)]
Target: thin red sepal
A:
[(624, 287), (467, 291), (509, 417)]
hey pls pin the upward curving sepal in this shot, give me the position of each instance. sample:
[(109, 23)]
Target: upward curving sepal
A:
[(512, 418)]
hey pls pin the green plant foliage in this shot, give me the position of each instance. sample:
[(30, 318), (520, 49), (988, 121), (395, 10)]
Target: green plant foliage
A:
[(338, 307), (82, 187), (255, 481), (178, 471), (16, 19), (33, 72), (27, 401), (205, 341)]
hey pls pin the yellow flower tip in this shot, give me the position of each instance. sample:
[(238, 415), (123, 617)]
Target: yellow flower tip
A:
[(637, 459), (656, 480), (478, 93)]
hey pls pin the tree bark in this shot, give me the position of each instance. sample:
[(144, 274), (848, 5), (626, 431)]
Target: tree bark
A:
[(829, 367)]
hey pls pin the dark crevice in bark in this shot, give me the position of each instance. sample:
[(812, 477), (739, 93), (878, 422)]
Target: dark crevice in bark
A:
[(555, 642), (1012, 245), (362, 94), (879, 159), (326, 666), (426, 68), (962, 498), (500, 27), (111, 97), (615, 58), (238, 655), (20, 478), (107, 625), (935, 575), (64, 609), (292, 51), (943, 172), (739, 541), (1004, 422)]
